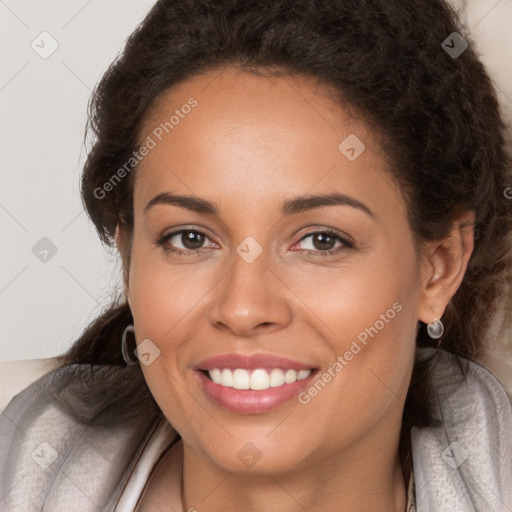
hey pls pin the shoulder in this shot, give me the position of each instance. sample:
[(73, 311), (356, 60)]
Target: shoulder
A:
[(466, 462), (70, 439), (17, 375), (470, 380), (461, 384)]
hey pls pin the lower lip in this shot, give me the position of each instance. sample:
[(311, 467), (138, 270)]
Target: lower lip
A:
[(250, 401)]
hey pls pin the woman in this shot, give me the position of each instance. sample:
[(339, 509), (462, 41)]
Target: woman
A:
[(308, 200)]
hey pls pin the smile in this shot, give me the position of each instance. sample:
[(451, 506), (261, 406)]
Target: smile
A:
[(253, 383), (256, 379)]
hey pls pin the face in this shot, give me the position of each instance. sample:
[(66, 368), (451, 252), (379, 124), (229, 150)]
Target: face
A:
[(250, 283)]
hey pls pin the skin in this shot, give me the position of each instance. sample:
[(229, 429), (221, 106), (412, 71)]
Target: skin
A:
[(251, 143)]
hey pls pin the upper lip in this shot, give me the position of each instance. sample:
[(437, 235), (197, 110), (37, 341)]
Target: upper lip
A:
[(251, 361)]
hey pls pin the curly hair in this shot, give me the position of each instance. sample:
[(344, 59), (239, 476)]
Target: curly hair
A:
[(436, 116)]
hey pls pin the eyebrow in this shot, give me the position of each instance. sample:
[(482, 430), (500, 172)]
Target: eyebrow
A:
[(289, 207)]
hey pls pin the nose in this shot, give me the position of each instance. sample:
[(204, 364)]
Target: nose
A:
[(251, 298)]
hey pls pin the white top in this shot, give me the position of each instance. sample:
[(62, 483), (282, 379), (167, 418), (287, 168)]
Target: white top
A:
[(135, 487)]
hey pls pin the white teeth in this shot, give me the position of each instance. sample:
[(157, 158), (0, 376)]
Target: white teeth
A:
[(303, 374), (290, 376), (259, 379), (216, 376), (276, 378), (241, 379), (226, 378)]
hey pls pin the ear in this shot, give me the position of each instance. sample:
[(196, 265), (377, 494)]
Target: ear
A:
[(444, 264), (123, 244)]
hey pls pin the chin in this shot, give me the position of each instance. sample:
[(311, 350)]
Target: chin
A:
[(257, 455)]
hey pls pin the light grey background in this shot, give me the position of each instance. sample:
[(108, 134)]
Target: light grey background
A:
[(43, 107), (44, 305)]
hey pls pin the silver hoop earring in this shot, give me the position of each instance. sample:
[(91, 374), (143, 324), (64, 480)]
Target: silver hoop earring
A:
[(435, 329), (124, 349)]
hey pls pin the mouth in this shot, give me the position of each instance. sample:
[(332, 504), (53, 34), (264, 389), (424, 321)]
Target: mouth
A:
[(253, 384), (256, 379)]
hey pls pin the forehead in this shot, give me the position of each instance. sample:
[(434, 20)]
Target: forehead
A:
[(248, 136)]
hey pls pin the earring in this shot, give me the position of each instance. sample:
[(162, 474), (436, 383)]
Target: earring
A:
[(435, 329), (124, 349)]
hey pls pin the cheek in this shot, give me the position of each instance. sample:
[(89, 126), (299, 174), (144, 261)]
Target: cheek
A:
[(362, 296), (369, 316), (165, 301), (161, 294), (367, 378)]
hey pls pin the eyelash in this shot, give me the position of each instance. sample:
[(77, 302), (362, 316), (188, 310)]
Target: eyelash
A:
[(315, 253)]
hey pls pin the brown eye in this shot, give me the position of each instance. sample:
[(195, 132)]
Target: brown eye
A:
[(184, 242), (192, 239), (323, 241)]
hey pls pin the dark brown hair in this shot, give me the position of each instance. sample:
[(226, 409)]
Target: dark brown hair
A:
[(437, 116)]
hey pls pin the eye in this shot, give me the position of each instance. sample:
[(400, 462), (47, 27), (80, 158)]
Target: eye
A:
[(324, 243), (191, 242)]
